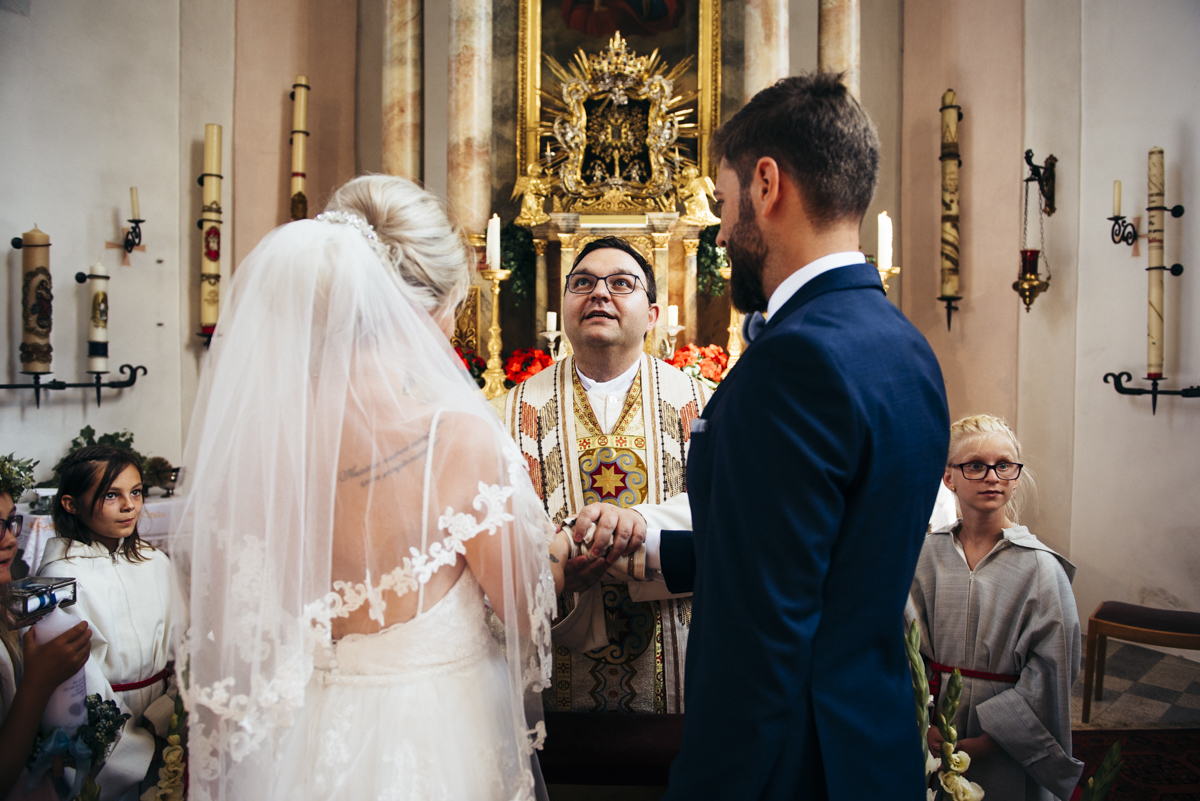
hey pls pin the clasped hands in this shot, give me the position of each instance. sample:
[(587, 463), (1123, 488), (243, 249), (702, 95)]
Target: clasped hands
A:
[(618, 533)]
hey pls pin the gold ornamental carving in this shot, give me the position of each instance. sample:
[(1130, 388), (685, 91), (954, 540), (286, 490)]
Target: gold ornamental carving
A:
[(466, 323)]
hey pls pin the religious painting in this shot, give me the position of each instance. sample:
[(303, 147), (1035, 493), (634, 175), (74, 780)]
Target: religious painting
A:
[(676, 30)]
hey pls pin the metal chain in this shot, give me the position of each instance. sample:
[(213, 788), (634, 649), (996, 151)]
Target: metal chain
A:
[(1025, 216), (1042, 232)]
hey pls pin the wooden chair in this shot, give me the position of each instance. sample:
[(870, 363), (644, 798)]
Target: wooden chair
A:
[(1169, 628), (607, 749)]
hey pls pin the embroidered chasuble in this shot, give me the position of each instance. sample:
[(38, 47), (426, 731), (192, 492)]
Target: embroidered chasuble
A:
[(642, 460)]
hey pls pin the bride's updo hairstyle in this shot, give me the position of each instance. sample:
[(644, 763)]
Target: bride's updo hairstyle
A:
[(429, 253)]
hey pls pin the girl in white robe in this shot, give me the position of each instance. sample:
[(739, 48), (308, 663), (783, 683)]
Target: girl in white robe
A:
[(996, 603), (127, 593), (29, 674)]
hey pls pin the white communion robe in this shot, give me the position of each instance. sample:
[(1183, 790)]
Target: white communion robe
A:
[(1012, 615), (10, 676), (135, 610)]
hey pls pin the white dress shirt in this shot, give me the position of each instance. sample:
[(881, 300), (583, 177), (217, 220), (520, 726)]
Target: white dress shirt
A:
[(791, 285)]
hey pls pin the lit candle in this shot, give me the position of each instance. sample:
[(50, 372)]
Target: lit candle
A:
[(672, 315), (1116, 198), (133, 203), (493, 242), (210, 244), (549, 152), (1156, 194), (885, 241), (551, 321), (36, 302), (98, 315), (299, 203)]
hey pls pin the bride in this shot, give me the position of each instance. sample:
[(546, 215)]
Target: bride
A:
[(351, 501)]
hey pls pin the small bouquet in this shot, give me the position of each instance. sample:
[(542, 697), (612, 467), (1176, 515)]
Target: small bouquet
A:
[(474, 364), (172, 775), (705, 364), (87, 751), (524, 363)]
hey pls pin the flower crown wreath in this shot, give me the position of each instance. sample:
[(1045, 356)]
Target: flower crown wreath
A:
[(16, 475)]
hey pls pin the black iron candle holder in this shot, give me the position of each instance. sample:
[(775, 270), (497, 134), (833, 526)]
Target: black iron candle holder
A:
[(1118, 381), (133, 237), (1123, 231), (38, 386), (950, 307)]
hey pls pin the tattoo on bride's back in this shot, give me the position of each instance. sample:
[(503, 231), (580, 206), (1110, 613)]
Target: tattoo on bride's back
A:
[(388, 465)]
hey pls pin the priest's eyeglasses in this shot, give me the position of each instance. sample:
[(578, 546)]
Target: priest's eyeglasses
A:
[(13, 525), (617, 283), (977, 471)]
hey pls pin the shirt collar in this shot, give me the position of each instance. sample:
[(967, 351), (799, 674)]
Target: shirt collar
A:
[(620, 384), (791, 285)]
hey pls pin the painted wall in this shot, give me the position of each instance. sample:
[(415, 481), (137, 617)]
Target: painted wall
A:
[(92, 93), (1135, 534), (974, 47), (275, 41)]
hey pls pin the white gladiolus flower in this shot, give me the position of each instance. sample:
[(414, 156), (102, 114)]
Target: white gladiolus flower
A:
[(932, 763), (959, 762)]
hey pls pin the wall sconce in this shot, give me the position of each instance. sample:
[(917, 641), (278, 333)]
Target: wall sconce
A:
[(1029, 283)]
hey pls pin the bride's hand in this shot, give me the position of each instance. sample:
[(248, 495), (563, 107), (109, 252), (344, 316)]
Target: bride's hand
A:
[(560, 551)]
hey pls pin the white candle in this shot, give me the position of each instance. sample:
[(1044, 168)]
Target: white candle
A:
[(133, 202), (1116, 198), (672, 315), (551, 321), (1156, 197), (493, 242), (885, 241)]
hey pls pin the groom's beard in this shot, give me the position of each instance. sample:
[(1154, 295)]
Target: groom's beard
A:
[(747, 252)]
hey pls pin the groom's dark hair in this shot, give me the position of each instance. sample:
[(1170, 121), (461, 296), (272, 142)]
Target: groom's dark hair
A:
[(818, 134), (617, 243)]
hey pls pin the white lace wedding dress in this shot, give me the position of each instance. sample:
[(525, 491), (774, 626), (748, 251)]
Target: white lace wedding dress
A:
[(415, 712)]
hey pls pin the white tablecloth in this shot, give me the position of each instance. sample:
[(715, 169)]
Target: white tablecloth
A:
[(153, 526)]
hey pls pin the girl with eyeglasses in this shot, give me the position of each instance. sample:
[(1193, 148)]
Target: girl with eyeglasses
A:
[(995, 603), (128, 594), (29, 671)]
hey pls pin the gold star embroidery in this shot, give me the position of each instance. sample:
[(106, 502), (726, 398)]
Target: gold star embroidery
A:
[(608, 481)]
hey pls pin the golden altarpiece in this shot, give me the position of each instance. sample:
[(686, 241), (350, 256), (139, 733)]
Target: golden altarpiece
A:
[(609, 144)]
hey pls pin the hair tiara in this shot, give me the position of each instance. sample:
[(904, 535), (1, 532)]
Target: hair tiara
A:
[(362, 226)]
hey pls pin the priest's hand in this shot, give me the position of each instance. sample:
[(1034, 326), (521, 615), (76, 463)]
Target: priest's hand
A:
[(618, 531)]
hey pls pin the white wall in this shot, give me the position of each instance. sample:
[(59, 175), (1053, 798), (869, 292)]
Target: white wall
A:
[(1135, 531), (92, 107)]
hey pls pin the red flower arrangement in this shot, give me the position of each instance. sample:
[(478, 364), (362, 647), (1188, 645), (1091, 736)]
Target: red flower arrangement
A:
[(706, 364), (525, 362), (475, 365)]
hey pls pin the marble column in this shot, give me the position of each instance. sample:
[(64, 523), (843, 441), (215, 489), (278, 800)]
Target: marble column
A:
[(565, 259), (662, 275), (468, 168), (403, 101), (839, 41), (766, 44), (690, 270)]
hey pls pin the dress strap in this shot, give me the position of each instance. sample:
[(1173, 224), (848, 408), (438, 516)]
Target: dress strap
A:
[(425, 502)]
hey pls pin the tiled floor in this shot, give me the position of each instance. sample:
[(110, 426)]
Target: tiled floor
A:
[(1143, 689)]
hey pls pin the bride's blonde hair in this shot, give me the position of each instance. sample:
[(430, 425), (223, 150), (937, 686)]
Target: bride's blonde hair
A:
[(968, 432), (428, 251)]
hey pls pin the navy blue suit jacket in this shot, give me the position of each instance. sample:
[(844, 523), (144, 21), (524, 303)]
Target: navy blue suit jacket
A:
[(811, 486)]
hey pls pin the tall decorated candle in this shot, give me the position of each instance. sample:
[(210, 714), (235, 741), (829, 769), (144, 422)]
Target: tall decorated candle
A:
[(37, 302), (1156, 195), (97, 278), (210, 225), (950, 164), (299, 205), (885, 242)]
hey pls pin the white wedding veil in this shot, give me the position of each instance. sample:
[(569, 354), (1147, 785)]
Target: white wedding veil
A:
[(339, 461)]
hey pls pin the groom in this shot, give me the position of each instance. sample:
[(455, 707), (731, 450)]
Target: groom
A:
[(811, 476)]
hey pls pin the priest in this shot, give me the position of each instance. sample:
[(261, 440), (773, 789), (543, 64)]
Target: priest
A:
[(607, 428)]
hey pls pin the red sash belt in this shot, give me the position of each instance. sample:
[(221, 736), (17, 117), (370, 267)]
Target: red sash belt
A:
[(935, 683), (163, 675)]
